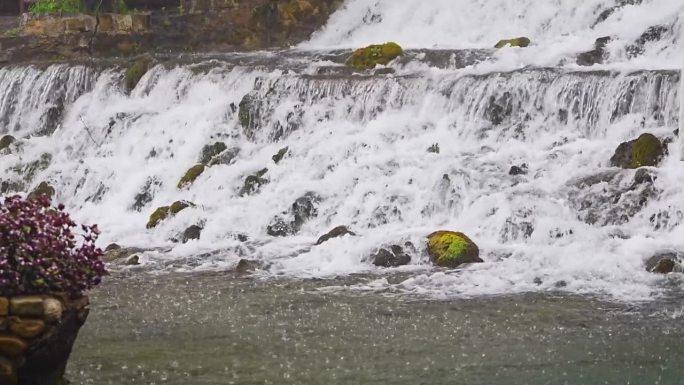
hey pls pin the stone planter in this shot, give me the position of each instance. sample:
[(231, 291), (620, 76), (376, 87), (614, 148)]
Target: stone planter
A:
[(37, 333)]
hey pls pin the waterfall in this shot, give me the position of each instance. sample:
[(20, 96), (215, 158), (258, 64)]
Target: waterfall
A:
[(394, 156)]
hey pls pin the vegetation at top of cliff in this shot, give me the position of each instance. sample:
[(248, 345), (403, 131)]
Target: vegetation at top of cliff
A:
[(56, 6)]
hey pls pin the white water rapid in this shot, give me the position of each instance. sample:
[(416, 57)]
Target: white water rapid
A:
[(360, 143)]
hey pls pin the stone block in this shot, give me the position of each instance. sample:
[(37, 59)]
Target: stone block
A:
[(106, 24), (26, 328), (52, 310), (4, 306), (140, 22), (27, 306), (11, 346)]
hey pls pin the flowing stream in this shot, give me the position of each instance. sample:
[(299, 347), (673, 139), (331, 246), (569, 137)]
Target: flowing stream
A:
[(395, 154)]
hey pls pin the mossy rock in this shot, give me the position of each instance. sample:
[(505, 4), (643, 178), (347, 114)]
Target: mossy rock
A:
[(135, 72), (371, 56), (516, 42), (280, 155), (179, 206), (647, 150), (159, 215), (452, 249), (191, 175), (43, 189), (210, 151), (6, 141), (164, 212)]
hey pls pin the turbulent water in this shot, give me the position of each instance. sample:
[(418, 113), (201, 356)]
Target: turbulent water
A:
[(359, 144)]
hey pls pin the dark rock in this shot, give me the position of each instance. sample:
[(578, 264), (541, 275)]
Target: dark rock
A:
[(664, 263), (51, 120), (279, 227), (210, 151), (135, 72), (253, 183), (112, 247), (647, 150), (6, 141), (303, 209), (191, 233), (392, 257), (338, 231), (515, 170), (499, 108), (280, 155), (133, 261), (434, 148), (653, 33), (247, 115), (595, 56)]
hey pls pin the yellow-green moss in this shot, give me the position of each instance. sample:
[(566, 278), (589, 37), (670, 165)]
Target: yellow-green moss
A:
[(646, 151), (179, 206), (516, 42), (134, 73), (193, 173), (369, 57), (158, 216), (451, 249)]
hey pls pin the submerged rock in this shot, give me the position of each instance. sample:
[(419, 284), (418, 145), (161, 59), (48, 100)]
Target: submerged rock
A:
[(647, 150), (247, 115), (338, 231), (651, 34), (247, 265), (193, 232), (515, 42), (191, 175), (114, 252), (434, 148), (226, 157), (371, 56), (146, 193), (391, 256), (518, 170), (452, 249), (303, 209), (664, 263)]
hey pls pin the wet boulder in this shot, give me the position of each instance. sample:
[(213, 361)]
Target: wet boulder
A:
[(248, 265), (114, 252), (521, 42), (665, 263), (6, 141), (303, 209), (162, 213), (191, 175), (193, 232), (146, 193), (337, 232), (247, 115), (596, 55), (518, 170), (371, 56), (280, 155), (226, 157), (647, 150), (391, 256), (651, 34), (452, 249)]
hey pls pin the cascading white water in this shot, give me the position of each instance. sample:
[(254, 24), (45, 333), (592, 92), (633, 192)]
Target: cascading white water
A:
[(359, 143)]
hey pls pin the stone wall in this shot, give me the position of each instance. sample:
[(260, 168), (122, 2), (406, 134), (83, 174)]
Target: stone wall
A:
[(109, 23), (36, 336)]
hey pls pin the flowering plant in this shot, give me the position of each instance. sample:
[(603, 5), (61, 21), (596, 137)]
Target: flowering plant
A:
[(39, 252)]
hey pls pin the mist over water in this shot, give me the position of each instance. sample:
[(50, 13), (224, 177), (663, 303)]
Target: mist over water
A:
[(359, 143)]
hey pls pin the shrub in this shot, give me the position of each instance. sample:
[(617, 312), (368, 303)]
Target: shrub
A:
[(56, 6), (39, 252)]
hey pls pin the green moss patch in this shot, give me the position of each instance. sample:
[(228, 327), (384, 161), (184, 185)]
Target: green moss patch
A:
[(193, 173), (516, 42), (371, 56), (451, 249)]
